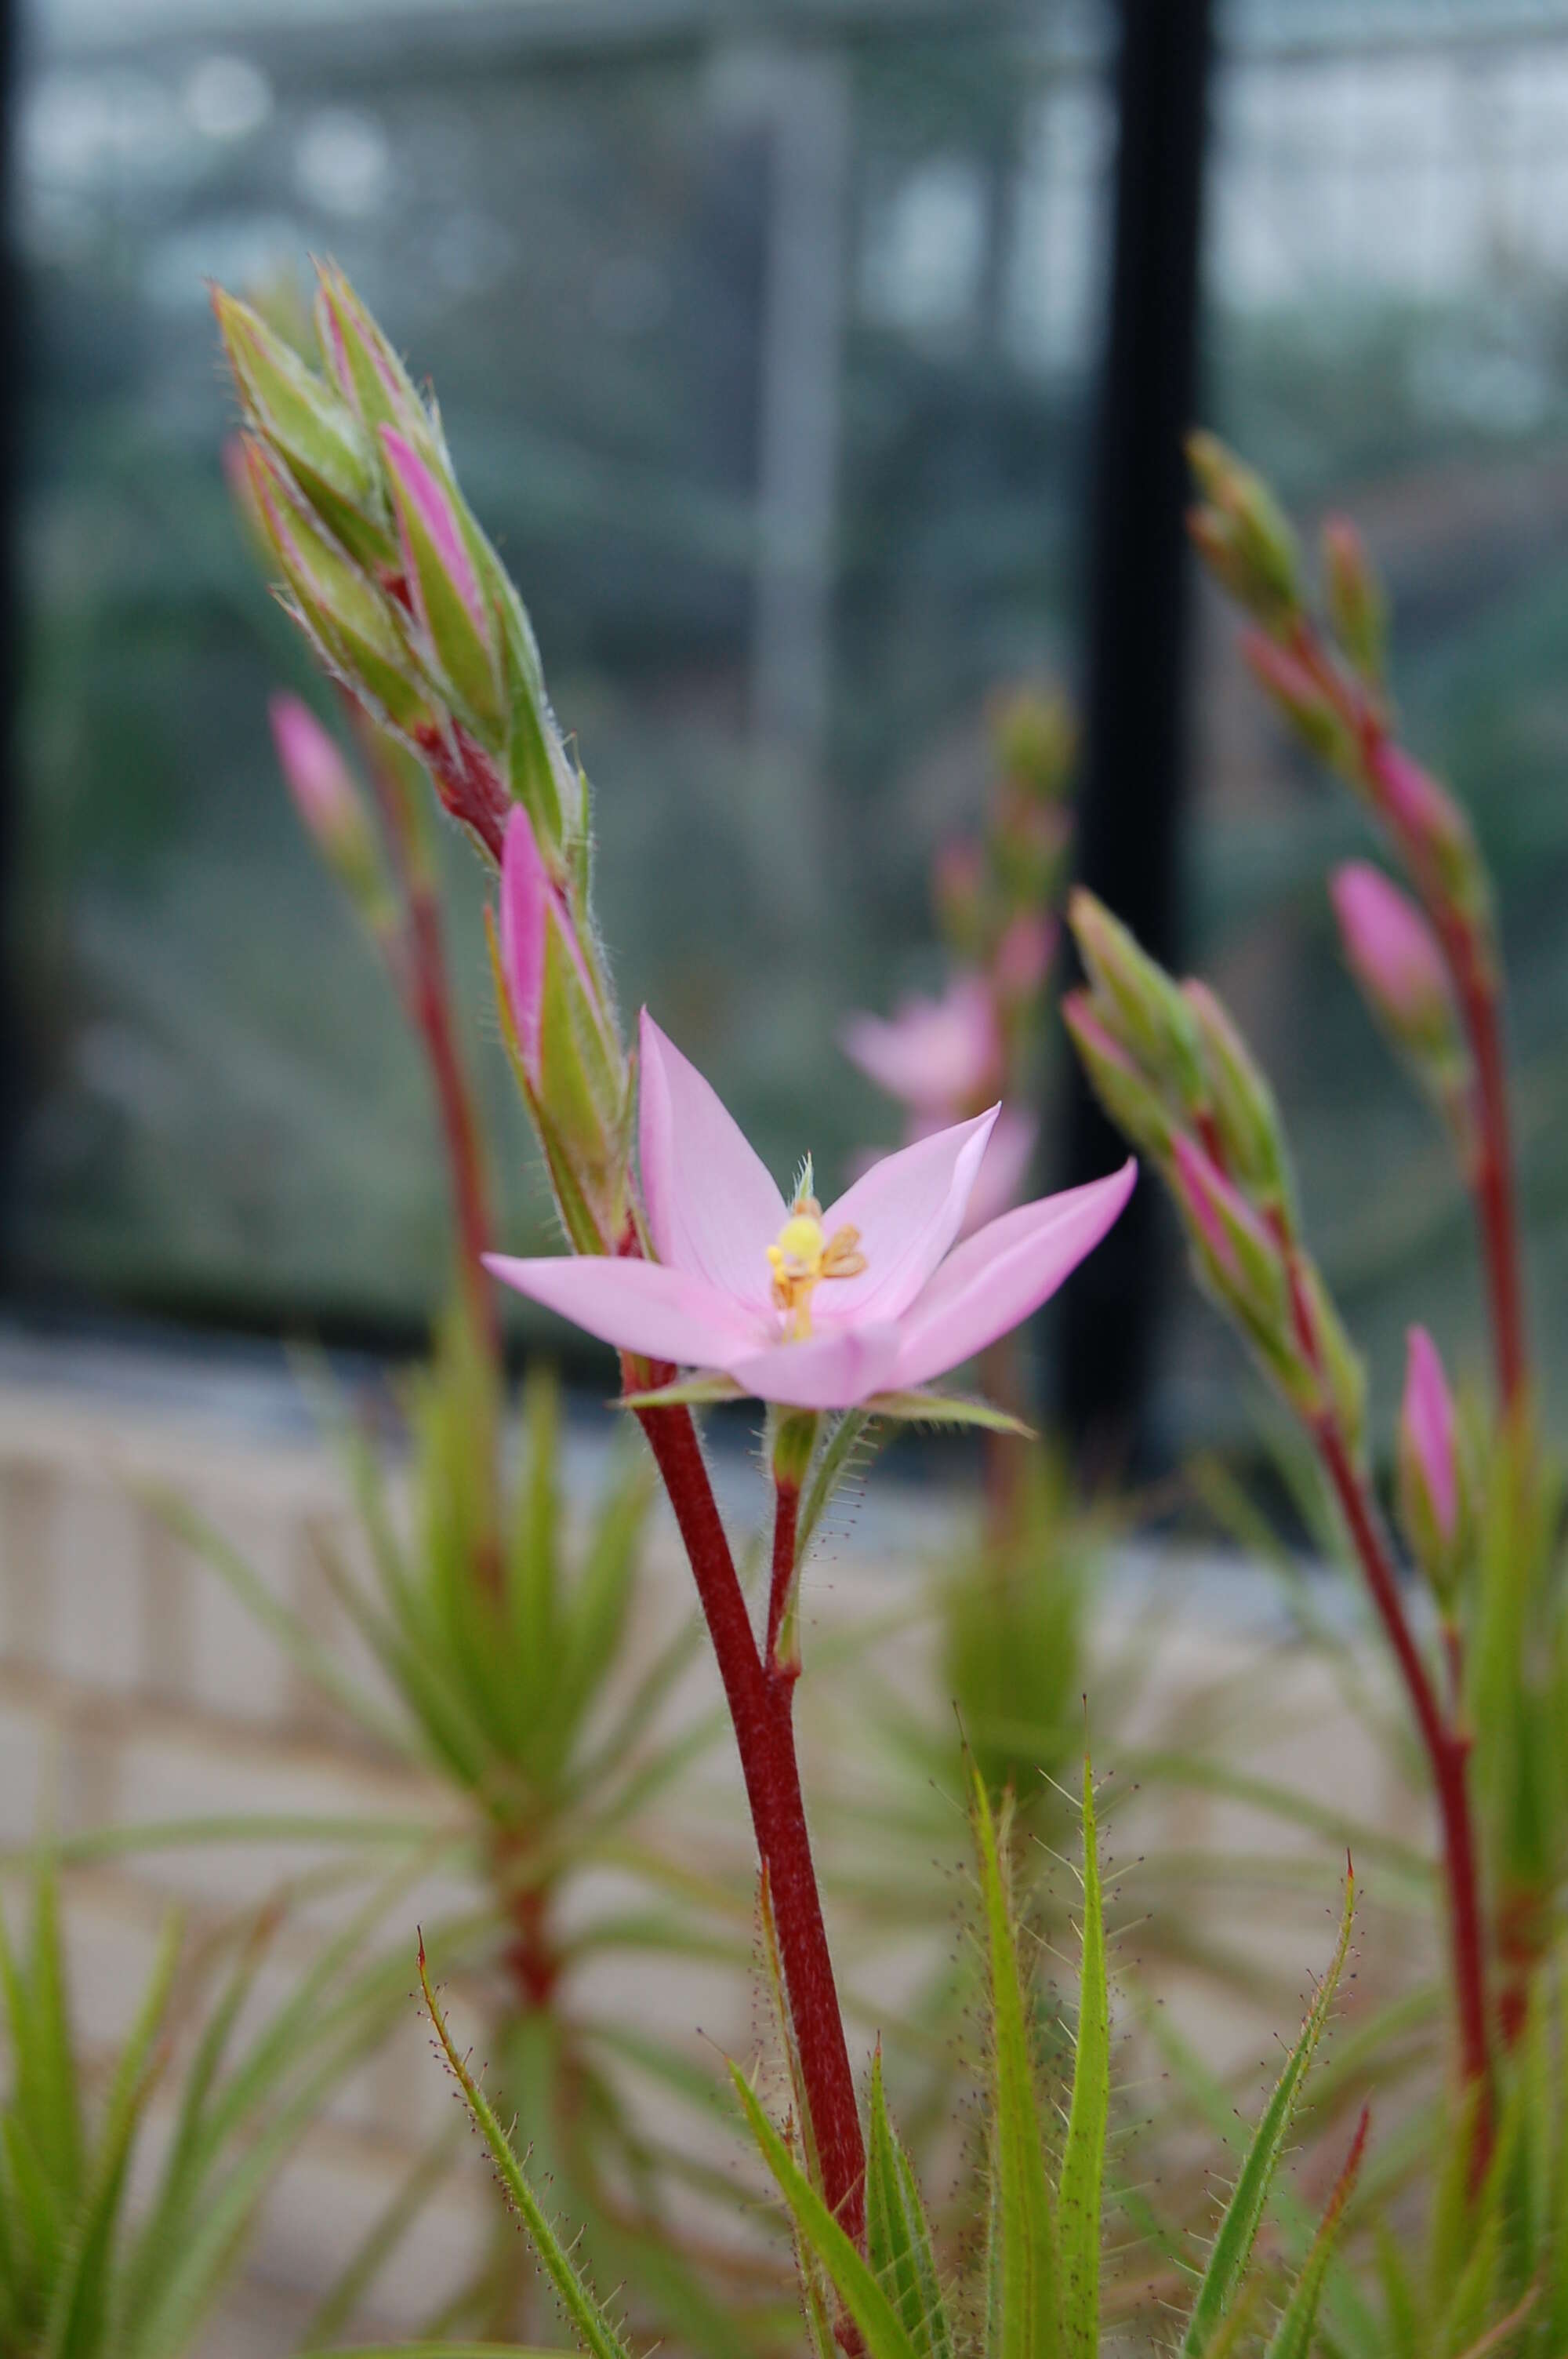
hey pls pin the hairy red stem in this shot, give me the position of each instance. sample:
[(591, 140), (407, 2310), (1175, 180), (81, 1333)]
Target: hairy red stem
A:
[(786, 1523), (430, 1007), (1448, 1751), (759, 1701)]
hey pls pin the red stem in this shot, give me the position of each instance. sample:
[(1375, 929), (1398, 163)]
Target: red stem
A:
[(759, 1695), (430, 1007), (1448, 1751)]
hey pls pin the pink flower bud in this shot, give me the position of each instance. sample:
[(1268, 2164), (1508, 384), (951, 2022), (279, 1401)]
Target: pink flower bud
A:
[(1394, 956), (1241, 1252), (317, 774), (444, 583), (1298, 696), (330, 803), (1432, 1488), (1023, 956), (1428, 1429), (570, 1057), (1425, 815)]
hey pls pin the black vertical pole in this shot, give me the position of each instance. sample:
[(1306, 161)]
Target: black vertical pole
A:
[(1134, 704)]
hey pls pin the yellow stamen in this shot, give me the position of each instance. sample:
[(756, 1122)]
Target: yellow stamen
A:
[(802, 1255)]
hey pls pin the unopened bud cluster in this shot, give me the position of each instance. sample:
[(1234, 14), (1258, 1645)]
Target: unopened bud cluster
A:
[(343, 473), (351, 484), (1326, 678), (1175, 1076)]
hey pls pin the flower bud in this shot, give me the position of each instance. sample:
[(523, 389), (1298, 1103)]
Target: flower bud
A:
[(1237, 1258), (1433, 1502), (1357, 607), (1127, 1096), (361, 362), (305, 423), (1344, 1371), (568, 1058), (1301, 700), (1035, 740), (357, 631), (1394, 955), (1426, 817), (444, 585), (1242, 535), (1139, 1001), (1023, 957), (958, 892), (1242, 1105), (332, 807)]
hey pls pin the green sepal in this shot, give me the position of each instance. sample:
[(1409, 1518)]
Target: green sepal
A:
[(702, 1390), (918, 1406)]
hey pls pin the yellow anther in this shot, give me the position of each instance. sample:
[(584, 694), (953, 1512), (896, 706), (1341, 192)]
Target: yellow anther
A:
[(802, 1255)]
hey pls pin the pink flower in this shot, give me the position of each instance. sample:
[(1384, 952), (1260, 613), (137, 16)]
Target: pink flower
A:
[(1393, 954), (936, 1056), (1428, 1434), (813, 1308)]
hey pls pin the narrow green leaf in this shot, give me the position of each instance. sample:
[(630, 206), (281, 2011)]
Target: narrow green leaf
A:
[(1238, 2230), (593, 2328), (1083, 2158), (863, 2298), (79, 2309), (1027, 2320), (1292, 2337), (895, 2226)]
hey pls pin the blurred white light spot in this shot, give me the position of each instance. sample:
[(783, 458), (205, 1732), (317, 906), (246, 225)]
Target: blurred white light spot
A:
[(925, 248), (342, 162), (80, 129), (227, 97)]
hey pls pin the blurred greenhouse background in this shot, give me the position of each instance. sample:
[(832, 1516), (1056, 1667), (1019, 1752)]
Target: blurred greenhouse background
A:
[(768, 340)]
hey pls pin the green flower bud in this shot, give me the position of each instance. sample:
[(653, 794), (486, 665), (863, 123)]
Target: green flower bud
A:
[(1138, 1001)]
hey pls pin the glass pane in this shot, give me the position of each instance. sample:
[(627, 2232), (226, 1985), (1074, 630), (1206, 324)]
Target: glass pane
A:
[(1386, 332), (766, 366)]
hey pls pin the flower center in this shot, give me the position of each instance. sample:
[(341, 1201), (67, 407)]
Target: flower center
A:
[(802, 1256)]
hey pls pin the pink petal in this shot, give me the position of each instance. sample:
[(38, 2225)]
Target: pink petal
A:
[(1000, 1277), (413, 483), (713, 1207), (1003, 1172), (908, 1209), (833, 1369), (638, 1306), (936, 1055)]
